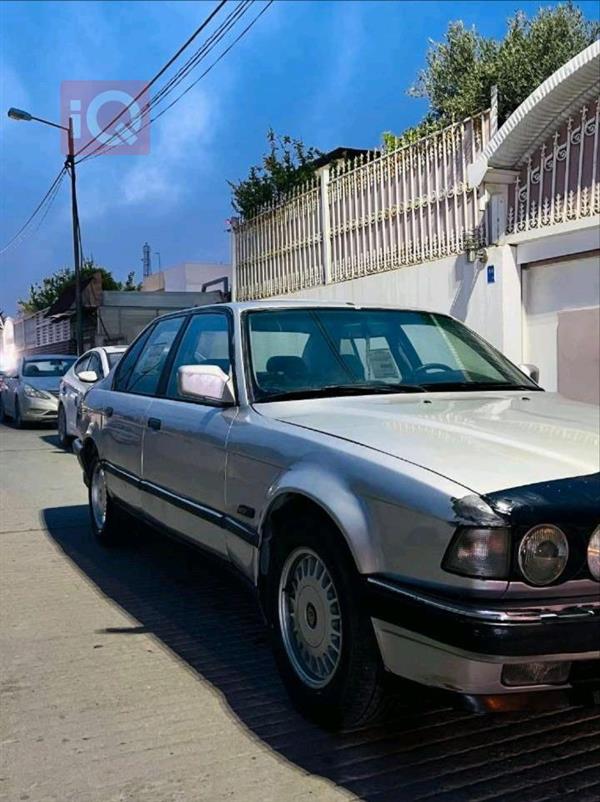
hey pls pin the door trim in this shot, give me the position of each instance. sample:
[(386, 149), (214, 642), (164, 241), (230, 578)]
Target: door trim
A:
[(213, 516)]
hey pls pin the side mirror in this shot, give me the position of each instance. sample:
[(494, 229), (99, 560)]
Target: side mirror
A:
[(88, 376), (531, 370), (205, 383)]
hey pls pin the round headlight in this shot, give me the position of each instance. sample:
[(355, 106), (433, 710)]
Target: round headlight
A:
[(543, 554), (593, 554)]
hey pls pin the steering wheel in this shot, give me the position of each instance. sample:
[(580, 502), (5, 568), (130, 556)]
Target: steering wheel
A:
[(427, 367)]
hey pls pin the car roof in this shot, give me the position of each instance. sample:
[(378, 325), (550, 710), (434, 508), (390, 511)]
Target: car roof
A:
[(244, 306)]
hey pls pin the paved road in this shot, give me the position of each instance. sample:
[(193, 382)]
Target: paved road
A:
[(143, 674)]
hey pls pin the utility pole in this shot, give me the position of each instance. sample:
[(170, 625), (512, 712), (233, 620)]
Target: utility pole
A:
[(25, 116), (76, 249)]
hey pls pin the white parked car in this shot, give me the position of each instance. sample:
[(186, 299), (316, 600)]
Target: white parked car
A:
[(89, 368)]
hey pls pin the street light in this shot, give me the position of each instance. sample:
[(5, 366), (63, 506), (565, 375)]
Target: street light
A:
[(25, 116), (19, 114)]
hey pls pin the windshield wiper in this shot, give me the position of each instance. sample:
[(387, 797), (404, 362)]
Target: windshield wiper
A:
[(474, 386), (366, 388)]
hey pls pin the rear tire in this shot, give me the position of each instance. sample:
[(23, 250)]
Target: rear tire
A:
[(109, 523), (64, 439), (324, 642), (2, 410)]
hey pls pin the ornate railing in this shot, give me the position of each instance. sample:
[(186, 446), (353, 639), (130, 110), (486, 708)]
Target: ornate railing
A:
[(376, 212), (560, 181), (280, 250), (407, 206)]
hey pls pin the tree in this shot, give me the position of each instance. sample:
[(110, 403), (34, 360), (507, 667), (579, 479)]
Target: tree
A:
[(43, 295), (130, 285), (287, 164), (462, 69)]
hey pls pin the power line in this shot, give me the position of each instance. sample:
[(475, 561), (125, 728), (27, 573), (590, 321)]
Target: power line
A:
[(159, 73), (47, 199), (179, 76), (46, 202), (209, 68), (48, 206)]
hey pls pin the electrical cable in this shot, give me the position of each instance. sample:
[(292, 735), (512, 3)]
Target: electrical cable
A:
[(49, 196), (190, 86), (159, 73), (176, 79)]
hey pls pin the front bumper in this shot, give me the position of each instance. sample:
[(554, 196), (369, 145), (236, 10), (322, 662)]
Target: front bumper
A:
[(463, 646), (38, 409)]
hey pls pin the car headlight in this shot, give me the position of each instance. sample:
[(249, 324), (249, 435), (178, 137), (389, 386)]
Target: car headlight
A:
[(543, 554), (33, 392), (593, 554), (479, 553)]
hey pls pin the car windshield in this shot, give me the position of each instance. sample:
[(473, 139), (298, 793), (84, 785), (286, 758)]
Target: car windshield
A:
[(299, 353), (114, 357), (47, 368)]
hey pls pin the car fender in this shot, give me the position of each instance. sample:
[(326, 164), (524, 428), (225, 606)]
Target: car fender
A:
[(330, 491)]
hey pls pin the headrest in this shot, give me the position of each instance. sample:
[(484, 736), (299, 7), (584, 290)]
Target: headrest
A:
[(292, 366)]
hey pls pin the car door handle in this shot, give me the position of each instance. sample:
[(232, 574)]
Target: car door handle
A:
[(108, 411), (154, 423)]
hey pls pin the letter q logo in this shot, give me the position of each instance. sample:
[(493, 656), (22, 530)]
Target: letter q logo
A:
[(92, 107)]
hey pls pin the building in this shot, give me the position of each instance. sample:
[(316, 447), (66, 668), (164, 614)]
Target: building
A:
[(500, 228), (190, 277), (109, 317)]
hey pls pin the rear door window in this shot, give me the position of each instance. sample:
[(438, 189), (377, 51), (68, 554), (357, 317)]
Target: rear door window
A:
[(146, 372)]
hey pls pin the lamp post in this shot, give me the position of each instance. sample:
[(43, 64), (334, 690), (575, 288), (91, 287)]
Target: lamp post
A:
[(24, 116)]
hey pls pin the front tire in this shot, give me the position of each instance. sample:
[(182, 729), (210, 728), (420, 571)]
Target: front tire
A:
[(324, 642), (108, 521), (18, 418), (64, 439)]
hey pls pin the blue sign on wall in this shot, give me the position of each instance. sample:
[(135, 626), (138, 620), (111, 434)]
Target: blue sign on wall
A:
[(491, 274)]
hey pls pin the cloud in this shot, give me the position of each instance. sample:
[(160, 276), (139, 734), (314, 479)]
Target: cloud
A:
[(180, 142), (12, 93)]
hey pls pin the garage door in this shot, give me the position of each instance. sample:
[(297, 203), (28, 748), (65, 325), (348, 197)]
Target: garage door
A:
[(561, 332)]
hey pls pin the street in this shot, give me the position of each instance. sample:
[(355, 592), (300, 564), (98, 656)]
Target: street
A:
[(143, 674)]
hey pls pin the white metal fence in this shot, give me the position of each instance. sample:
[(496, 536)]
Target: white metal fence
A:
[(373, 213), (560, 181)]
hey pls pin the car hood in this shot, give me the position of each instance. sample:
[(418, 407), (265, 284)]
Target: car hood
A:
[(42, 383), (484, 441)]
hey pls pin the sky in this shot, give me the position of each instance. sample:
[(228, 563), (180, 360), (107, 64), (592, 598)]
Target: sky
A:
[(333, 73)]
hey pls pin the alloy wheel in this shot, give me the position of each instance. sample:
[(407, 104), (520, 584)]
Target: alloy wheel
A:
[(310, 617)]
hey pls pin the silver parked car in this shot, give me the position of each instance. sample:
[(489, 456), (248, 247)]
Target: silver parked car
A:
[(29, 393), (92, 366), (404, 499)]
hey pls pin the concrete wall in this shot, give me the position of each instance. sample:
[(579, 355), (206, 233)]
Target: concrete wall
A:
[(123, 315), (186, 277)]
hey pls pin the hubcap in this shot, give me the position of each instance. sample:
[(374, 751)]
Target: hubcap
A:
[(310, 617), (98, 496)]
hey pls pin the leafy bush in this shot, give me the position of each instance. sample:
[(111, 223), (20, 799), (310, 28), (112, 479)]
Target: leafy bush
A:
[(287, 163), (462, 69), (43, 295)]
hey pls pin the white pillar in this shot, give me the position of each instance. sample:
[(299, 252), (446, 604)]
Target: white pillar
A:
[(325, 223)]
